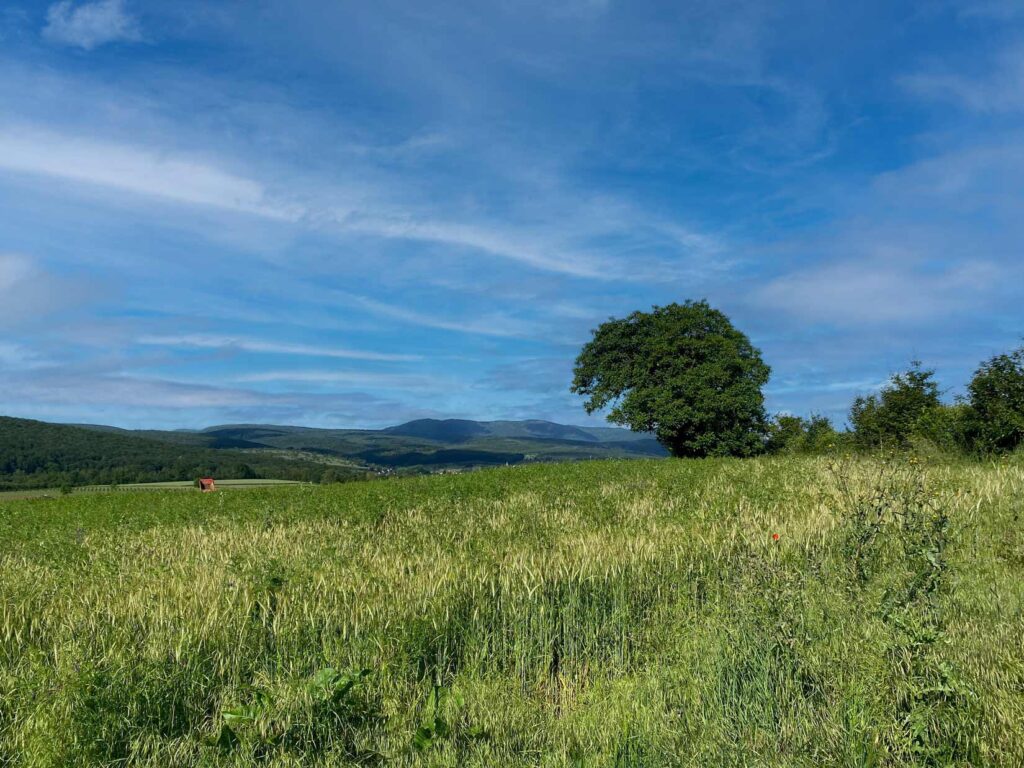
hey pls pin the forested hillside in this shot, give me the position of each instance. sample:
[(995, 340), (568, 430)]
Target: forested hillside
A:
[(424, 444), (35, 454)]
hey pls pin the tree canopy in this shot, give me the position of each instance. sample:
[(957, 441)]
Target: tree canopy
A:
[(795, 434), (891, 417), (682, 372), (996, 398)]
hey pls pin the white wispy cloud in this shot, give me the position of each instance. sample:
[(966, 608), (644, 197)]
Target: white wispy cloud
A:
[(88, 25), (61, 393), (543, 375), (346, 378), (213, 341), (154, 173), (856, 385), (983, 176), (29, 292), (1001, 89), (935, 241), (126, 396), (14, 269), (493, 240), (998, 10), (65, 386), (599, 240), (17, 357), (138, 170), (878, 291), (490, 324)]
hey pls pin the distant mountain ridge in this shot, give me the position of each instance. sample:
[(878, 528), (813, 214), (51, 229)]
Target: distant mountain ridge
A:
[(106, 454), (442, 430), (458, 430)]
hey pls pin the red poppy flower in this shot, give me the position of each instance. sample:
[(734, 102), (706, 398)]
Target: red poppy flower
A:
[(775, 537)]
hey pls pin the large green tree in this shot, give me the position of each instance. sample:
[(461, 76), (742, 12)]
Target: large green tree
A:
[(683, 372), (996, 397)]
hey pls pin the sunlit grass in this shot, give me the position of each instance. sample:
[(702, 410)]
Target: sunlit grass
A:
[(608, 613)]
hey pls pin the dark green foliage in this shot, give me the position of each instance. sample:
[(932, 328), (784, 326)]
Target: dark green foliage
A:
[(435, 726), (332, 475), (795, 434), (996, 397), (785, 434), (445, 457), (682, 372), (947, 428), (334, 709), (34, 454), (444, 430), (892, 417)]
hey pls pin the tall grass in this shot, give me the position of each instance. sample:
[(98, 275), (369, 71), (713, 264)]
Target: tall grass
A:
[(599, 614)]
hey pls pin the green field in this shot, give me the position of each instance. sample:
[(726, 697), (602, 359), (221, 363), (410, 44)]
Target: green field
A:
[(174, 485), (626, 613)]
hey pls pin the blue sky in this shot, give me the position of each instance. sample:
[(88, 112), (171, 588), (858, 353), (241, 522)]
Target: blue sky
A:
[(353, 214)]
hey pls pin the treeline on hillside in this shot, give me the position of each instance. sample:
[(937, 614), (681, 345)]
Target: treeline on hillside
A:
[(908, 413), (34, 454), (685, 374)]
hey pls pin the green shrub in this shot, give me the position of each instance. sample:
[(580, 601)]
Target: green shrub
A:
[(945, 429), (893, 417), (794, 434), (996, 397)]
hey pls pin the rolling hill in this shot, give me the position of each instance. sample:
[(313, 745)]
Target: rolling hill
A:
[(37, 454), (424, 442), (436, 443)]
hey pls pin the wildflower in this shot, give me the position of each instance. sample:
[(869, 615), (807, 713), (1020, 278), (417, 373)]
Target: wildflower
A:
[(775, 537)]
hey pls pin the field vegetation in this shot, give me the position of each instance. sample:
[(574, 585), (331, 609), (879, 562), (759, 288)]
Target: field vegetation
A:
[(173, 485), (778, 611)]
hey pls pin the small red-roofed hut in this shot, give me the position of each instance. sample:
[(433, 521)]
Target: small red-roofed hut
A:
[(206, 484)]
